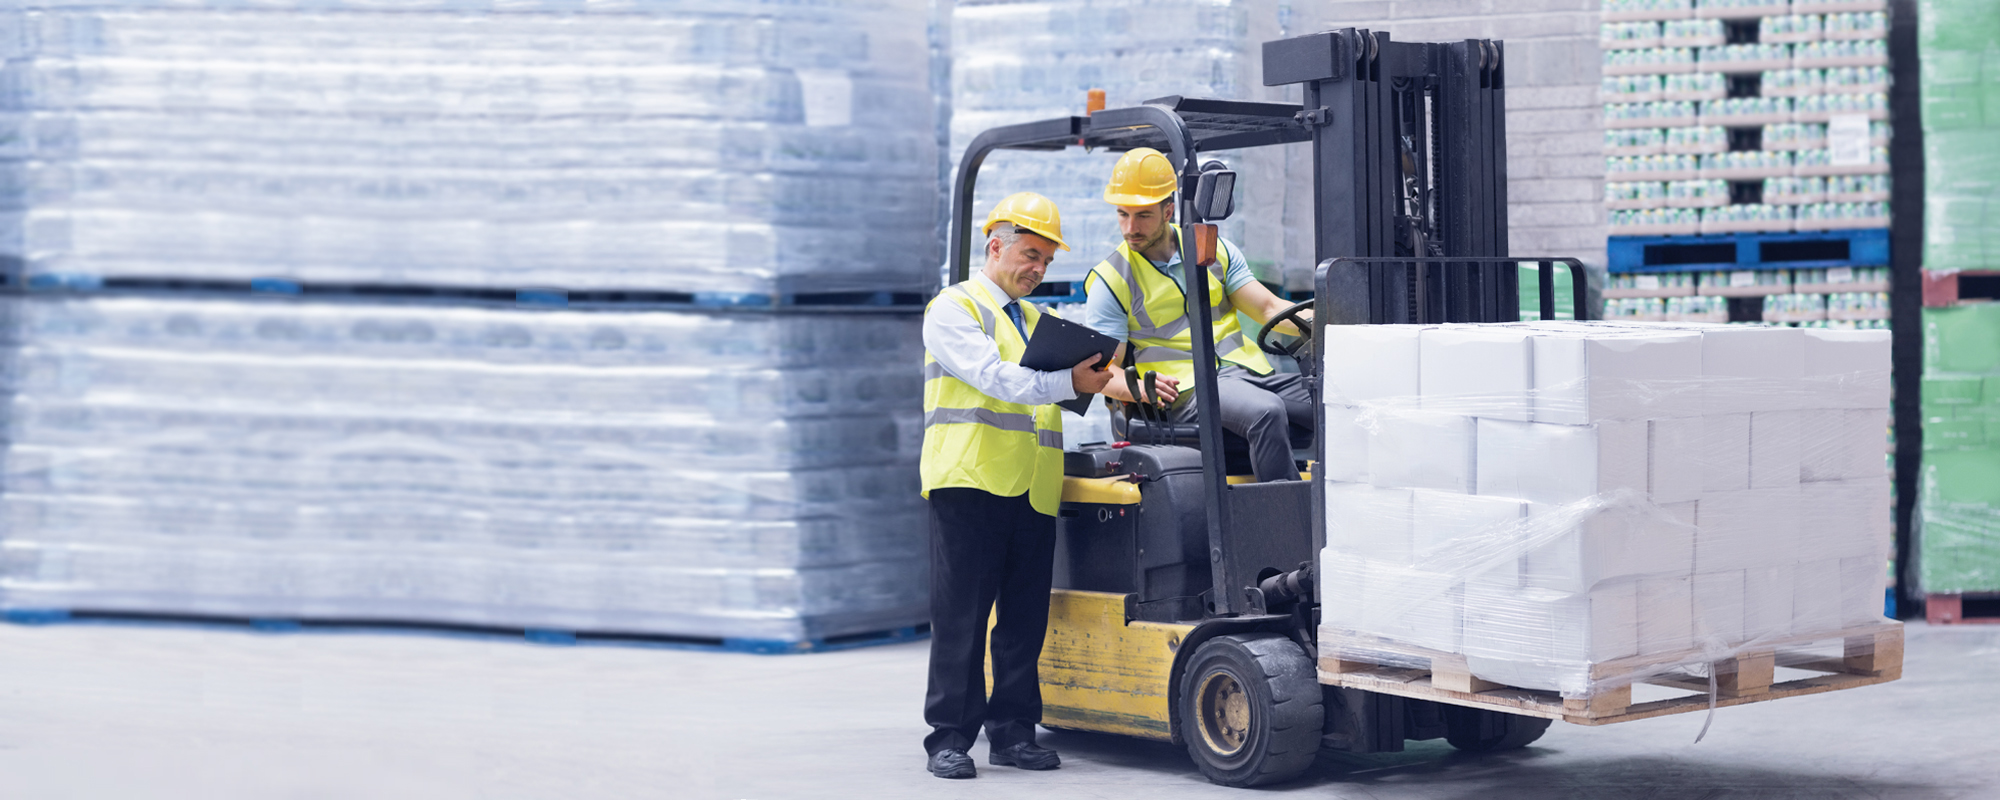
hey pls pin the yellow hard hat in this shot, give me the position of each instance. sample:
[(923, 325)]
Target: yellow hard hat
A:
[(1031, 211), (1142, 177)]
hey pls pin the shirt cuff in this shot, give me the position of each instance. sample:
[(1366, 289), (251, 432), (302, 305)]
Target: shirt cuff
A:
[(1059, 386)]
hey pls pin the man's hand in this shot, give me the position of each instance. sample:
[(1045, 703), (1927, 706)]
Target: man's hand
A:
[(1165, 389), (1087, 378)]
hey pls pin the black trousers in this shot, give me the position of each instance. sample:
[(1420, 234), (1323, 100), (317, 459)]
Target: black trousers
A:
[(987, 552), (1261, 409)]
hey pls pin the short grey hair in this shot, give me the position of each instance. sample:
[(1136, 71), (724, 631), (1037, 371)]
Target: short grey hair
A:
[(1008, 233)]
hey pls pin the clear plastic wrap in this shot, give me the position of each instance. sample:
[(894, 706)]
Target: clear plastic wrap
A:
[(506, 467), (1015, 62), (1958, 498), (1574, 507), (759, 147)]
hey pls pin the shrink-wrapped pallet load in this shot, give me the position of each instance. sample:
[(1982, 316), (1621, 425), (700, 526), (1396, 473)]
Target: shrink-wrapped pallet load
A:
[(1584, 505), (694, 474)]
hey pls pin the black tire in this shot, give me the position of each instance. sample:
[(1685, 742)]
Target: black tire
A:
[(1477, 730), (1250, 709)]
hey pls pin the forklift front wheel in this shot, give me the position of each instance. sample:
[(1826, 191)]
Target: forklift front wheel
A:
[(1250, 709)]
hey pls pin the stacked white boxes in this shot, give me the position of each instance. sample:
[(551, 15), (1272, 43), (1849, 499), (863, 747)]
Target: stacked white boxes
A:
[(1572, 506), (732, 476)]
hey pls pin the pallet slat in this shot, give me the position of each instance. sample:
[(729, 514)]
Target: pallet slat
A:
[(1871, 654)]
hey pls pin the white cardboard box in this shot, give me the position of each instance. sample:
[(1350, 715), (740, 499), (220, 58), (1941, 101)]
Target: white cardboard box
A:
[(1767, 602), (1477, 370), (1366, 522), (1674, 459), (1816, 606), (1666, 614), (1541, 639), (1596, 545), (1718, 608), (1547, 463), (1843, 443), (1752, 369), (1415, 607), (1582, 375), (1846, 519), (1371, 363), (1847, 369), (1422, 450), (1775, 438), (1725, 452), (1862, 581), (1449, 523), (1345, 430), (1744, 529)]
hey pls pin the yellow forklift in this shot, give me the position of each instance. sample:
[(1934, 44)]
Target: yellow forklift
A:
[(1184, 606)]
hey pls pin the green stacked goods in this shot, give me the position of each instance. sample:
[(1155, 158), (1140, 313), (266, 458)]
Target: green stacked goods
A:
[(1959, 499), (1959, 44)]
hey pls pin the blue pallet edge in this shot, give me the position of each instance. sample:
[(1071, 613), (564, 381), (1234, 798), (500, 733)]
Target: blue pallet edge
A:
[(540, 636), (286, 289), (1864, 247)]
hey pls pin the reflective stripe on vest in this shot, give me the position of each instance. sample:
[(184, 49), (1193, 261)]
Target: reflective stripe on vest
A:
[(977, 441), (1156, 313)]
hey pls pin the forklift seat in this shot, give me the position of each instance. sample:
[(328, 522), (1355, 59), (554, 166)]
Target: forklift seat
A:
[(1235, 449)]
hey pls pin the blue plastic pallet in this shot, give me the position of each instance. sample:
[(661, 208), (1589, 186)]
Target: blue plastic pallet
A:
[(1858, 247), (544, 636), (530, 297)]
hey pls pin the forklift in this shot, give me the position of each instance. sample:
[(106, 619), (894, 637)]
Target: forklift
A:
[(1184, 606)]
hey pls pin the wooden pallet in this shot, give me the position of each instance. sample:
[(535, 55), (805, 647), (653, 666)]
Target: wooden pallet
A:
[(1871, 654), (1949, 609)]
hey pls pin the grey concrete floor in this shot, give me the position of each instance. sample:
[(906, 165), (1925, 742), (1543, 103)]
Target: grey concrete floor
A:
[(150, 712)]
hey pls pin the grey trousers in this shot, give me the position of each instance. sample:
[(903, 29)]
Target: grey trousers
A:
[(1261, 409)]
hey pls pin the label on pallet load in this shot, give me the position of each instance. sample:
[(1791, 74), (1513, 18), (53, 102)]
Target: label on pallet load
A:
[(1742, 277), (1840, 275), (1648, 282), (1847, 138)]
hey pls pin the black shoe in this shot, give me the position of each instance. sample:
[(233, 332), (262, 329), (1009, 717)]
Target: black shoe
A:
[(949, 763), (1025, 755)]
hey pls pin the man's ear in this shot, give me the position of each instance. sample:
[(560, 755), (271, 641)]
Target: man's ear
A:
[(993, 248)]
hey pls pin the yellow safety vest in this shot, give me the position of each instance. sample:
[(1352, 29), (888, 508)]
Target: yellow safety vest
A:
[(975, 441), (1156, 315)]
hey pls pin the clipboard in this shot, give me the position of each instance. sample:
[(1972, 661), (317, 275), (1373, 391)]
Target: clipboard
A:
[(1058, 344)]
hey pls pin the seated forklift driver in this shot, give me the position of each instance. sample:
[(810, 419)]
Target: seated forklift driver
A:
[(1136, 295), (992, 469)]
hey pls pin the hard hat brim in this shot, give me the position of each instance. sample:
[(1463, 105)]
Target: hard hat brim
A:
[(1134, 199), (1060, 244)]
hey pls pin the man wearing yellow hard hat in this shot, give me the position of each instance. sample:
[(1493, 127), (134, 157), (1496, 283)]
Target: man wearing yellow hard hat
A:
[(1136, 295), (992, 470)]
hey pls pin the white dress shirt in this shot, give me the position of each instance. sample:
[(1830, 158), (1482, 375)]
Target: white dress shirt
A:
[(953, 337)]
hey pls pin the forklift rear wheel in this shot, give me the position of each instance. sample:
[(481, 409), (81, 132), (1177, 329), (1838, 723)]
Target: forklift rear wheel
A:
[(1477, 730), (1250, 709)]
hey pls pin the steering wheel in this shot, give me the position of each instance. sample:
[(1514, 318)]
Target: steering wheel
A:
[(1291, 315)]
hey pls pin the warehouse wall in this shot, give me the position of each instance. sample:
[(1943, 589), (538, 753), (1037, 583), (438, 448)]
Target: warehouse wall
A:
[(1555, 137)]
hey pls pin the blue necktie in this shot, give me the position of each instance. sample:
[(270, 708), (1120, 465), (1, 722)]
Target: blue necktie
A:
[(1014, 313)]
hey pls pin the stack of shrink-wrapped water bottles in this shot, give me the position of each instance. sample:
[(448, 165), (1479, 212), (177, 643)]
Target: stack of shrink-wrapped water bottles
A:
[(584, 316)]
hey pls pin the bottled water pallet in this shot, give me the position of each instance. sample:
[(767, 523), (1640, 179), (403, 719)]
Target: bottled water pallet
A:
[(1855, 247), (544, 636), (526, 297), (1869, 654)]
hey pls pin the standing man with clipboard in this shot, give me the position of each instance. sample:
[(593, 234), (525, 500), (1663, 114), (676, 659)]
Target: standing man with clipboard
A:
[(992, 471)]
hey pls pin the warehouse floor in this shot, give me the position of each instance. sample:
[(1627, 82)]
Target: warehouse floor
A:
[(152, 712)]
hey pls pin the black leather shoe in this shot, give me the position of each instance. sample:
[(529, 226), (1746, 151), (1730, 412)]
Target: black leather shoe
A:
[(1025, 755), (949, 763)]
